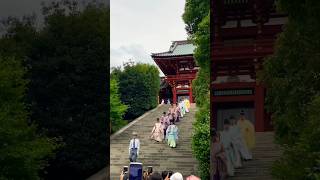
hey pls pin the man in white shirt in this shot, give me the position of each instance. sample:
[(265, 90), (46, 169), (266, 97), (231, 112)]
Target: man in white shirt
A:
[(134, 148)]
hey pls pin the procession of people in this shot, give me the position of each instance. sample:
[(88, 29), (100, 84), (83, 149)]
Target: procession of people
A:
[(165, 129), (231, 146)]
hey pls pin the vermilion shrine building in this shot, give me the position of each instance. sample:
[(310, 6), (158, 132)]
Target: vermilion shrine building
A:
[(179, 68), (243, 33)]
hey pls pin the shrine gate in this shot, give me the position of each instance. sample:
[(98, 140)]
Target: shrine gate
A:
[(243, 33), (179, 68)]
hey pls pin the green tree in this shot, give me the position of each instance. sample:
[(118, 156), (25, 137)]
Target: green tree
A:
[(68, 88), (196, 17), (139, 88), (293, 83), (23, 152), (67, 60), (117, 109)]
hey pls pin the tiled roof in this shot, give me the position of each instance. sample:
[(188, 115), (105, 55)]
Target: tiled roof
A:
[(177, 48)]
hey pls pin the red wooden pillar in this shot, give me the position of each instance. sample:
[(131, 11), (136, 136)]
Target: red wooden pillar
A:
[(174, 92), (259, 108), (190, 92)]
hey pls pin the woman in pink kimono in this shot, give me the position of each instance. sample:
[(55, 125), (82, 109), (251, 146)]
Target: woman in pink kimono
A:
[(157, 131)]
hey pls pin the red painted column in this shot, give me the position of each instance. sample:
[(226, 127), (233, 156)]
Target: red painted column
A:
[(259, 108), (190, 92), (174, 92)]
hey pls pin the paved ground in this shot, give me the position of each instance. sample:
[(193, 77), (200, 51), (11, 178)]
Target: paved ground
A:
[(264, 154), (158, 155)]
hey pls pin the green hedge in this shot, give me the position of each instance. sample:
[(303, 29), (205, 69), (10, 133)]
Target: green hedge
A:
[(197, 21)]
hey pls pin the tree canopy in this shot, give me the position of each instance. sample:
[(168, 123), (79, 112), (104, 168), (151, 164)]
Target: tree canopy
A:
[(23, 152), (139, 87), (67, 62), (293, 82)]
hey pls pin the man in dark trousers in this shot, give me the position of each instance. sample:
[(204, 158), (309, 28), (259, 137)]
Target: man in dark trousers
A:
[(134, 147)]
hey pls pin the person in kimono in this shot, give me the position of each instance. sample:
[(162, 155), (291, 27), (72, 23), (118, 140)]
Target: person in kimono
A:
[(226, 140), (185, 105), (247, 131), (235, 132), (182, 110), (218, 158), (177, 113), (238, 140), (164, 120), (172, 135), (134, 147), (157, 131), (162, 101)]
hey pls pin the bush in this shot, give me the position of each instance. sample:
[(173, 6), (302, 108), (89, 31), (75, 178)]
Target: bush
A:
[(196, 17), (201, 140), (117, 109)]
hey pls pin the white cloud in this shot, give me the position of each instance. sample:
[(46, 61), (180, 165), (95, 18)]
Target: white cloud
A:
[(142, 27)]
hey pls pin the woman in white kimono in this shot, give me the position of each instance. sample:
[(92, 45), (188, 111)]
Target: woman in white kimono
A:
[(172, 135), (162, 101), (234, 140), (157, 131), (182, 110), (239, 141), (226, 140)]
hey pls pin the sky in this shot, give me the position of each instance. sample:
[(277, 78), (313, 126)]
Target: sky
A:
[(141, 27), (18, 8)]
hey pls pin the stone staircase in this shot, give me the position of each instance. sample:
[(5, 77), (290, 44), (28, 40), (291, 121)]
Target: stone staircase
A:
[(264, 154), (158, 155)]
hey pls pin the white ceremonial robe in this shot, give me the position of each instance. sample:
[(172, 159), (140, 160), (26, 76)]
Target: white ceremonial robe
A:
[(226, 140), (239, 142)]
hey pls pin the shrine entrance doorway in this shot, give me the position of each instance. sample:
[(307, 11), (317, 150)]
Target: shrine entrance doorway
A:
[(226, 110)]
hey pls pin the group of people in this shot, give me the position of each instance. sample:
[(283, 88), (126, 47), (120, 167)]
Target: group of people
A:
[(231, 146), (165, 175), (165, 128)]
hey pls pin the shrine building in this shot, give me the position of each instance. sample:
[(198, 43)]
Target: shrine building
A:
[(243, 33), (179, 68)]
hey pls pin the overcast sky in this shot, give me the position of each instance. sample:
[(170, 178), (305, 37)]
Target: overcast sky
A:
[(142, 27), (19, 7)]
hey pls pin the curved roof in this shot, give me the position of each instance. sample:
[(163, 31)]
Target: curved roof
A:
[(178, 48)]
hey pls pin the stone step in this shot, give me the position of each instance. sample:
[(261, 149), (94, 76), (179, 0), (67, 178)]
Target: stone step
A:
[(158, 155)]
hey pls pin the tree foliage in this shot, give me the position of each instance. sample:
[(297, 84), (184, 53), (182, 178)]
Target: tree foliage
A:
[(67, 60), (117, 108), (139, 87), (196, 17), (293, 83), (23, 152)]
